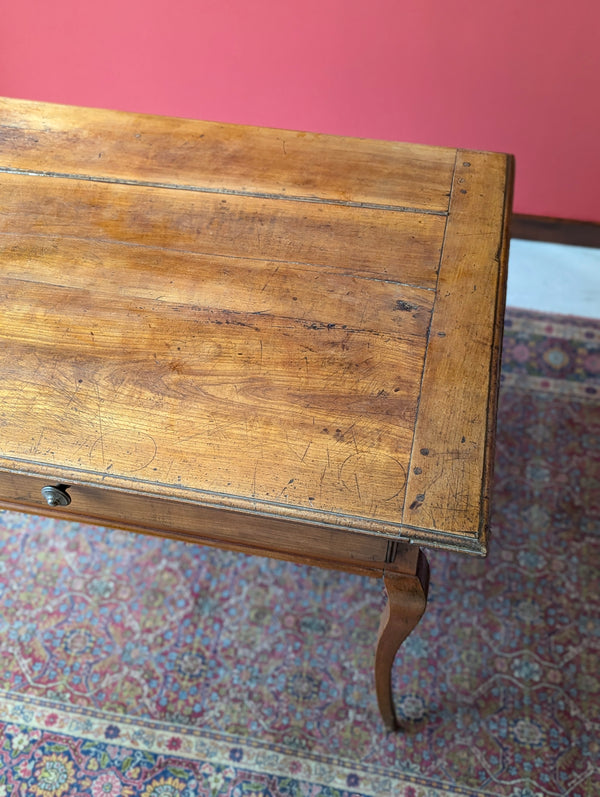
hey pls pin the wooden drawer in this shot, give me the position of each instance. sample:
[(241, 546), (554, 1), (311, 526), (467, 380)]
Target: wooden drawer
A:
[(253, 534)]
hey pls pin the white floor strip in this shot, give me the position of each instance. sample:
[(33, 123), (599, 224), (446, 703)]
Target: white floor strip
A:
[(554, 278)]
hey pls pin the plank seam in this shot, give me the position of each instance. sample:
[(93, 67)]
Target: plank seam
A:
[(412, 449), (223, 191)]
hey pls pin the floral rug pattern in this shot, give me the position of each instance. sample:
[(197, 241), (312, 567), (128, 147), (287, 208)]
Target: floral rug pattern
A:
[(136, 666)]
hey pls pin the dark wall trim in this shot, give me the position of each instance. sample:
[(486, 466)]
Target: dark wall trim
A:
[(558, 231)]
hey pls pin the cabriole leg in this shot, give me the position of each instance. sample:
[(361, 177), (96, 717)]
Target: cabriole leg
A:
[(407, 599)]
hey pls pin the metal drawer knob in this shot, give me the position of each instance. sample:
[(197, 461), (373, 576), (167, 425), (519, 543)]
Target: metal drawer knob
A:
[(56, 496)]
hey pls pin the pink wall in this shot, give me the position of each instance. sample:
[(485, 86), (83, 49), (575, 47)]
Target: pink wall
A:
[(521, 76)]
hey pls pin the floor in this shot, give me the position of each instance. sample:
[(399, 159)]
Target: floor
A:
[(554, 278)]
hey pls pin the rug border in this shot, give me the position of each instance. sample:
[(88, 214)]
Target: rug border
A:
[(212, 747)]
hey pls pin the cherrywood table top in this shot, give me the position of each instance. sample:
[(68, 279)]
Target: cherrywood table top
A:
[(296, 325)]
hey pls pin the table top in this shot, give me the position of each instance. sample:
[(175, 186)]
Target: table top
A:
[(291, 324)]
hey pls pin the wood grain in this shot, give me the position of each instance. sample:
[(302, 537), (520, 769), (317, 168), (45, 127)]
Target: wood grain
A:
[(187, 521), (112, 145), (253, 321), (449, 477), (255, 406), (400, 247)]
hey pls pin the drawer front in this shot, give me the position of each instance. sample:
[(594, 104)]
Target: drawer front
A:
[(253, 534)]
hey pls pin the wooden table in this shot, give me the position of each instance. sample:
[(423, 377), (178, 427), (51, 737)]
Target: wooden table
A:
[(275, 342)]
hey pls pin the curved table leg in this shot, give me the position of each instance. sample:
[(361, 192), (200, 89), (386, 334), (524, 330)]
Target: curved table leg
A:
[(407, 599)]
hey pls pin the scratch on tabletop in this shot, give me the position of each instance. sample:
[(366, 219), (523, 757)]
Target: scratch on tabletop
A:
[(100, 422), (323, 476), (73, 396), (306, 452), (293, 450), (36, 448), (269, 279)]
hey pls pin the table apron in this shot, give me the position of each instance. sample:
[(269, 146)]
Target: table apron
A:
[(303, 543)]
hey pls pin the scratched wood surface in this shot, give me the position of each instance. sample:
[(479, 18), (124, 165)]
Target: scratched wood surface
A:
[(223, 158), (261, 320)]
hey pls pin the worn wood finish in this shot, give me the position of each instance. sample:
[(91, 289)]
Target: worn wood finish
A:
[(248, 533), (319, 236), (277, 342), (450, 471), (228, 159), (280, 311)]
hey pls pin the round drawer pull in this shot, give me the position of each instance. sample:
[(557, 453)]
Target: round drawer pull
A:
[(56, 496)]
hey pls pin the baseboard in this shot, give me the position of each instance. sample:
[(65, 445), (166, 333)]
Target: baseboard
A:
[(558, 231)]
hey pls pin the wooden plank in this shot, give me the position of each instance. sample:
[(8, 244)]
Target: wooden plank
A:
[(404, 247), (312, 298), (307, 415), (111, 145), (449, 478), (251, 534)]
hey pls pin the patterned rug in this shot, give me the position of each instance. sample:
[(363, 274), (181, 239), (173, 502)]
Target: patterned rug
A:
[(137, 666)]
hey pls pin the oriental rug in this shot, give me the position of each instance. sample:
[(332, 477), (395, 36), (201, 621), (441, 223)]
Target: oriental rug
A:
[(137, 666)]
